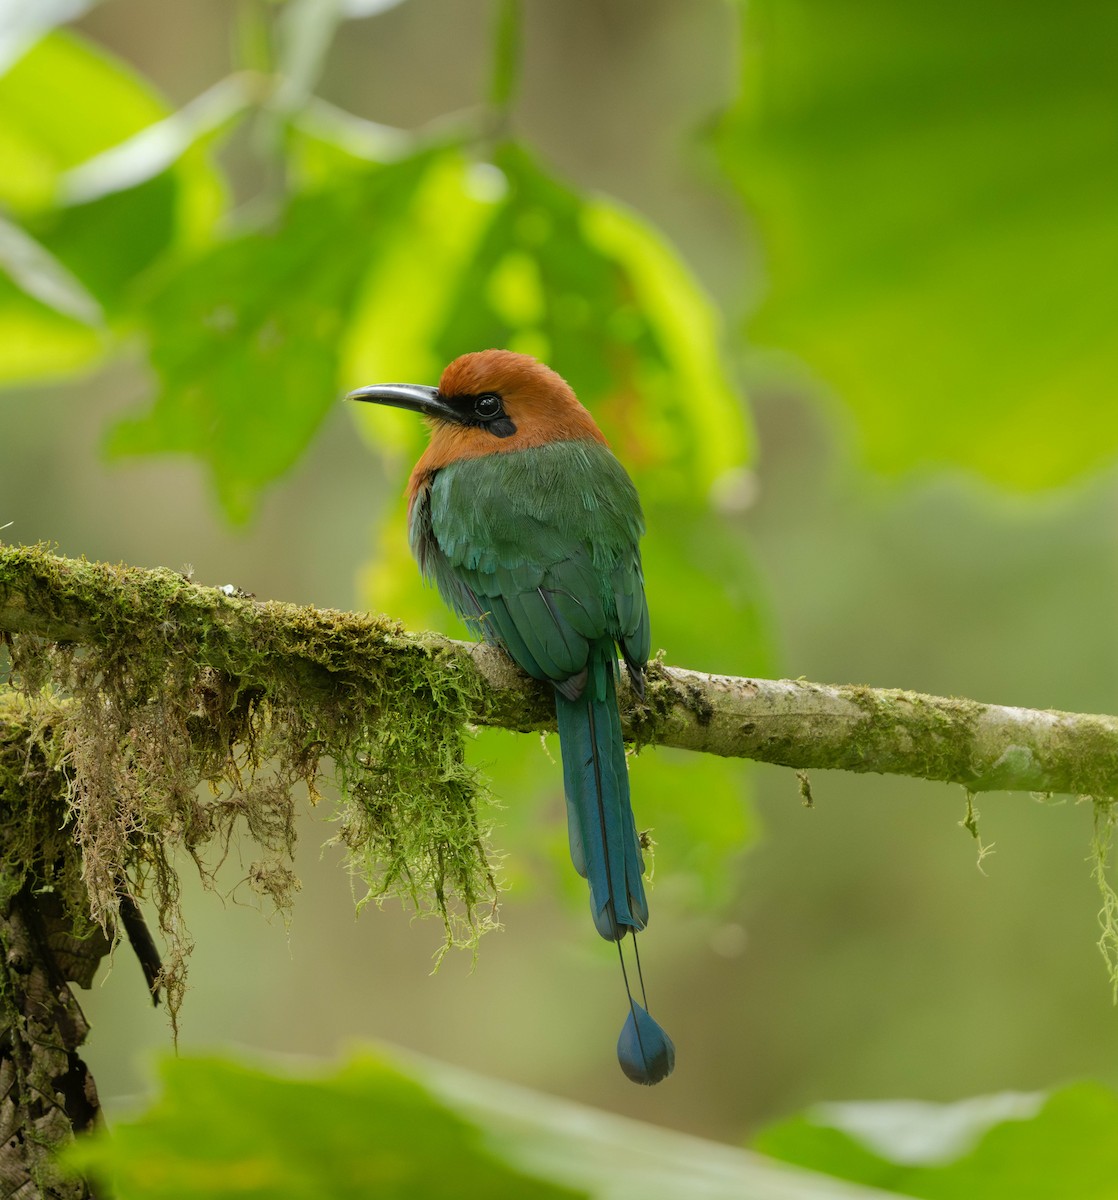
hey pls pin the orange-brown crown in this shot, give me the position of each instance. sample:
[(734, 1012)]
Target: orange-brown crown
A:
[(538, 401)]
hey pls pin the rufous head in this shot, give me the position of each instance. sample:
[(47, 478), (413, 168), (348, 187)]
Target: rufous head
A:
[(489, 402)]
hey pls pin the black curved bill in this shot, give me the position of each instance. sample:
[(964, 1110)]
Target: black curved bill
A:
[(413, 396)]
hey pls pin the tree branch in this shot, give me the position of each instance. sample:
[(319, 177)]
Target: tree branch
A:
[(788, 722)]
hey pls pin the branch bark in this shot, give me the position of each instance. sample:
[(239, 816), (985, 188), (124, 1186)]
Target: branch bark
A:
[(47, 1093), (788, 722)]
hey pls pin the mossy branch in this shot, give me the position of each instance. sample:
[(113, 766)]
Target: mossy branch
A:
[(166, 686), (330, 655)]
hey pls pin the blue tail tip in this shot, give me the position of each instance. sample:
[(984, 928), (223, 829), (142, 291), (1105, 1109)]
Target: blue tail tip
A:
[(644, 1050)]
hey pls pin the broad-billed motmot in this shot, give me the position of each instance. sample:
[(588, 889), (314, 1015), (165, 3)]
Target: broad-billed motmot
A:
[(529, 527)]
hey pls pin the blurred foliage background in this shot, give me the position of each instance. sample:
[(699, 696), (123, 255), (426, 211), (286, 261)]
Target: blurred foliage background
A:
[(839, 282)]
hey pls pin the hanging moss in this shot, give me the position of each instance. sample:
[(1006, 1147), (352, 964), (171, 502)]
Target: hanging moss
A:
[(1102, 839), (188, 714), (35, 849)]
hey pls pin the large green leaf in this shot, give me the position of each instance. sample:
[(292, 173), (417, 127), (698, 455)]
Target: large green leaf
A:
[(221, 1130), (64, 105), (60, 103), (505, 255), (1008, 1147), (413, 1129), (588, 287), (64, 101), (245, 336), (935, 186)]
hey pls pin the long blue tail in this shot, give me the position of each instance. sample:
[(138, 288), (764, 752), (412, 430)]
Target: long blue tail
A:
[(605, 848), (604, 845)]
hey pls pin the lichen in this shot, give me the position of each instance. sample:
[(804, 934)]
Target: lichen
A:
[(941, 732), (1085, 751), (189, 718)]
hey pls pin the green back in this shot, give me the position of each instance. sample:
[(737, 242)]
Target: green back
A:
[(538, 549)]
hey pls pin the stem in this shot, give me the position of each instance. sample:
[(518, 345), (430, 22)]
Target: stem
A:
[(252, 38), (508, 25)]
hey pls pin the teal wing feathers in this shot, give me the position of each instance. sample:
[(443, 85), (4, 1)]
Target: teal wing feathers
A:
[(537, 550)]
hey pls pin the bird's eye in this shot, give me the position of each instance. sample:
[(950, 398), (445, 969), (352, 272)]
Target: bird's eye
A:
[(487, 405)]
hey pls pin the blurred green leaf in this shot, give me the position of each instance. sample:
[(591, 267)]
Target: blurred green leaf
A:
[(585, 285), (223, 1130), (245, 336), (63, 102), (410, 1128), (1065, 1146), (64, 107), (613, 1157), (935, 187), (414, 286), (152, 195)]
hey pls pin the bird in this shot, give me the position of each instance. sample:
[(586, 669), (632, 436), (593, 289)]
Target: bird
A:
[(529, 527)]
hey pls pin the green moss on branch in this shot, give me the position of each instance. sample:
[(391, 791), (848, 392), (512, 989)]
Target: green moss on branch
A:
[(171, 686)]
